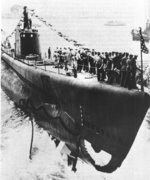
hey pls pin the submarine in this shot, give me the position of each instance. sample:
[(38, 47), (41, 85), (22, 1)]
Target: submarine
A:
[(73, 109)]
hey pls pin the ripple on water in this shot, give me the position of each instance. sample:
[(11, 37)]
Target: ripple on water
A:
[(47, 163)]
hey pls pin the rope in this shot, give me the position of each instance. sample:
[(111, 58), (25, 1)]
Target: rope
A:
[(26, 104), (13, 32), (70, 40), (78, 144), (32, 135)]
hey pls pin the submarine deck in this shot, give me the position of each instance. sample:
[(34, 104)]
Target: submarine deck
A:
[(51, 67), (84, 76)]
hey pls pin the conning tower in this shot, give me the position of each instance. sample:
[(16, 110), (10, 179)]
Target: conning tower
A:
[(27, 39)]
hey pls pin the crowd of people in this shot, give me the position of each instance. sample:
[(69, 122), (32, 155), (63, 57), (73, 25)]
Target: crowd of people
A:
[(111, 67)]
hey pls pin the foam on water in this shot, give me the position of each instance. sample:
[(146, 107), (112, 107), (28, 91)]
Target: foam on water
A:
[(47, 161)]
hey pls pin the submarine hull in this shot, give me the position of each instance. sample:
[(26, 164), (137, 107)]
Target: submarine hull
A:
[(107, 117)]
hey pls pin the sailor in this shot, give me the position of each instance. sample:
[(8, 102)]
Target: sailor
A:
[(29, 22), (96, 57), (133, 71), (109, 69), (26, 18), (123, 70), (66, 58), (61, 59), (117, 66), (25, 13), (74, 71), (69, 55), (100, 69), (85, 61), (128, 79), (49, 53), (92, 63), (79, 61), (8, 43)]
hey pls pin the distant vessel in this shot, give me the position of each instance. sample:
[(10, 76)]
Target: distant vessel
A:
[(114, 23), (75, 110), (145, 33)]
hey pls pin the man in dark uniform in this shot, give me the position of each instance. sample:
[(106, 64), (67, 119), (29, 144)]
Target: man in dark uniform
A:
[(123, 70), (79, 61), (100, 69), (49, 53), (128, 79), (92, 63), (85, 61), (27, 20), (61, 59), (25, 14), (117, 66), (133, 71), (109, 69)]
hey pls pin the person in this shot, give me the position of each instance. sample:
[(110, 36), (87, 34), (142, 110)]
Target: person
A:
[(26, 19), (69, 56), (66, 59), (49, 53), (85, 61), (29, 22), (25, 15), (117, 66), (92, 63), (133, 71), (79, 61), (109, 69), (100, 69), (96, 59), (123, 70), (74, 71), (61, 57), (128, 78)]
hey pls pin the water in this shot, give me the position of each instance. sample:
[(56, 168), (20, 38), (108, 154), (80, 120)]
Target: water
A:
[(47, 162), (89, 31)]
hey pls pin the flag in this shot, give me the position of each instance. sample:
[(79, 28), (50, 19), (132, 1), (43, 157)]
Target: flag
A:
[(144, 49)]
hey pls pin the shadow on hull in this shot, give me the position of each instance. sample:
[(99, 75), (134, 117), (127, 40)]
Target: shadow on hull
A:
[(74, 112)]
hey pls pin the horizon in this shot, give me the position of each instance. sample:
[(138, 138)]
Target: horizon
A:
[(120, 9)]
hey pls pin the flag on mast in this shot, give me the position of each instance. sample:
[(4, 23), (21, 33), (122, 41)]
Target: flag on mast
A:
[(144, 49)]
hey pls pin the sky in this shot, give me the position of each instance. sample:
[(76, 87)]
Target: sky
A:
[(84, 7)]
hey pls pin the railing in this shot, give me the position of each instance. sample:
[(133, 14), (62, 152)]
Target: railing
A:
[(42, 65), (38, 65)]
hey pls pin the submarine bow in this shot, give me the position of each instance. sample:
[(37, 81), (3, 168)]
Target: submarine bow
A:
[(71, 109), (106, 116), (111, 116)]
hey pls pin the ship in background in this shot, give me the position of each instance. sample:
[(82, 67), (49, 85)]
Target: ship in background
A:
[(75, 110), (114, 23), (145, 33)]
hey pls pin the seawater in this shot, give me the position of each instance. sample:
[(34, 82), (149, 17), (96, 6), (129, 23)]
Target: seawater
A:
[(47, 163), (91, 32)]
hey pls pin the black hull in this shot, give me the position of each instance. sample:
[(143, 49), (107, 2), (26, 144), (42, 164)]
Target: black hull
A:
[(108, 117)]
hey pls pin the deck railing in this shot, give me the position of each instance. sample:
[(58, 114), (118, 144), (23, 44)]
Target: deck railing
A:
[(42, 65)]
